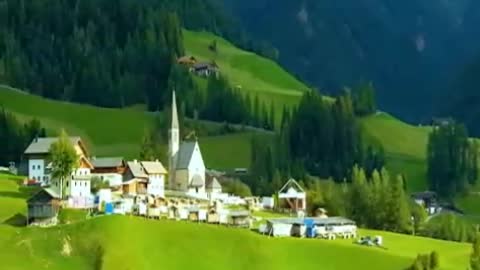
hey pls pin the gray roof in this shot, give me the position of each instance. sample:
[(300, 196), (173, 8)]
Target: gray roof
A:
[(212, 183), (185, 154), (42, 145), (137, 169), (107, 162), (239, 213), (317, 221), (197, 181), (154, 167)]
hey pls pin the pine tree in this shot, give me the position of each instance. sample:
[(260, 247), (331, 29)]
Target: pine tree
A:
[(147, 148), (475, 256), (272, 116), (398, 210)]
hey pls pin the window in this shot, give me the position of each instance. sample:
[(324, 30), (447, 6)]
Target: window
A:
[(67, 183), (33, 167), (38, 167)]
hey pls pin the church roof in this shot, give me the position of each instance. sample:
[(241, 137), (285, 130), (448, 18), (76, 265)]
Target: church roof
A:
[(185, 154), (197, 181), (154, 167)]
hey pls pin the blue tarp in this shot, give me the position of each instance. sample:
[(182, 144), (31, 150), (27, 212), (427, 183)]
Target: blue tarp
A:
[(109, 208), (310, 227)]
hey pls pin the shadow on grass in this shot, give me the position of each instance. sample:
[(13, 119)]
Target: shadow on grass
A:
[(13, 194), (18, 220)]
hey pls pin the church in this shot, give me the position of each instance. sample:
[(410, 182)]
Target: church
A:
[(186, 166)]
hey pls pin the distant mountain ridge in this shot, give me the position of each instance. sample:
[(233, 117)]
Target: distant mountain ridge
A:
[(410, 49)]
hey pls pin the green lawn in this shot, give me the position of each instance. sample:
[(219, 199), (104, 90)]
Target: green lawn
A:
[(120, 242)]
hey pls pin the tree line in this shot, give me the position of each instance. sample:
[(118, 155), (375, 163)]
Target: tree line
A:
[(319, 138), (220, 102), (15, 136), (452, 160)]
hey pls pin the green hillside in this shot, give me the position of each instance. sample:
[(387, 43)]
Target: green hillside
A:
[(120, 242), (245, 70), (405, 146), (119, 131), (116, 132)]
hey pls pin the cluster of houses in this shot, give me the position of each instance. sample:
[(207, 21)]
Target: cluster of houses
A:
[(185, 190)]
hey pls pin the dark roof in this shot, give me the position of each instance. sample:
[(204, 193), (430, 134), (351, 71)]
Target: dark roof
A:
[(185, 154), (43, 196), (107, 162), (42, 145), (204, 65), (426, 195), (212, 183)]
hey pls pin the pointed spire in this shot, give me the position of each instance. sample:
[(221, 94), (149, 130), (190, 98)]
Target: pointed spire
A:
[(174, 112)]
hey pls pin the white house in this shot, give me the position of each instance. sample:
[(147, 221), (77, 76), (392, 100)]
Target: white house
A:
[(39, 167), (144, 178), (186, 166), (156, 178)]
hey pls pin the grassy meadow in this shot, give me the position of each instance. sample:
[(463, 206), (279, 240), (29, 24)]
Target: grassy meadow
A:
[(405, 147), (123, 243), (117, 132)]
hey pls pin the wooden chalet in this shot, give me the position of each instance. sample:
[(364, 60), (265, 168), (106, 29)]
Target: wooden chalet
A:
[(43, 207), (292, 197)]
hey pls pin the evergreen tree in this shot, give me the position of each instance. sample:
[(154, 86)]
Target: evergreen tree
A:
[(398, 210), (147, 148), (272, 117), (475, 256)]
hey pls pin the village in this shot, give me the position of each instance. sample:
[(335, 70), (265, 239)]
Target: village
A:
[(186, 191)]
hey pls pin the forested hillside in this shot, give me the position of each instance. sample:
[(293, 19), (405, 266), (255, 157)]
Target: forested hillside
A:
[(103, 52), (409, 49)]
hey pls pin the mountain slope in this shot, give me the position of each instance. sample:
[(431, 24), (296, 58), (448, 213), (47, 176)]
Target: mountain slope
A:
[(400, 45), (119, 131)]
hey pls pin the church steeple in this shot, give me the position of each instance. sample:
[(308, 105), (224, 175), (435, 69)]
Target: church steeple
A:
[(173, 142), (174, 112)]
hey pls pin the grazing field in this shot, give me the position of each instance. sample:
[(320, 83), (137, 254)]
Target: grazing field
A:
[(117, 132), (106, 243), (405, 146)]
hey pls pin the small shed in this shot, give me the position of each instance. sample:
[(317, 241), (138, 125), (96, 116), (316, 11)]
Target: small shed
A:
[(43, 207), (212, 216), (193, 214), (240, 218)]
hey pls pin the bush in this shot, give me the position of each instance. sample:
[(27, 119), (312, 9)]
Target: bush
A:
[(426, 262)]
